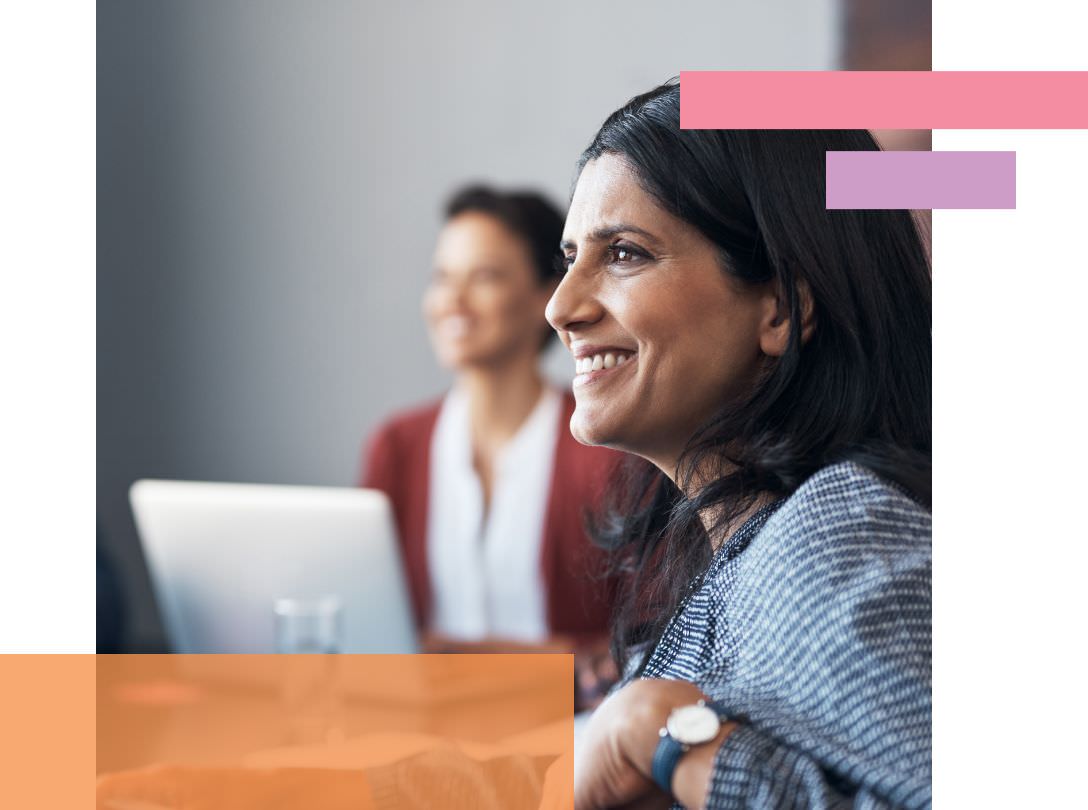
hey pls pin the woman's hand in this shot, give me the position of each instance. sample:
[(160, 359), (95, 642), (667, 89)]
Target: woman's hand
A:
[(614, 766)]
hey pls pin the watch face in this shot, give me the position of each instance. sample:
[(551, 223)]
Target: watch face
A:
[(693, 725)]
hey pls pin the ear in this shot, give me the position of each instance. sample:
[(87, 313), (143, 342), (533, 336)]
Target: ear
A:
[(774, 332)]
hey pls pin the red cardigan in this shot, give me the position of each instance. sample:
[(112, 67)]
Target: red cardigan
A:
[(579, 601)]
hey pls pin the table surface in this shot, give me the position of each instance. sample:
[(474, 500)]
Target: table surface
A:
[(147, 720)]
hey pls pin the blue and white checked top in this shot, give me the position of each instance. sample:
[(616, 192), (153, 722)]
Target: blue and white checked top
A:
[(812, 627)]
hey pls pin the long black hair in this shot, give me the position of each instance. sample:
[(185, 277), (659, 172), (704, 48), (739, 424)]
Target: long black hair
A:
[(859, 388)]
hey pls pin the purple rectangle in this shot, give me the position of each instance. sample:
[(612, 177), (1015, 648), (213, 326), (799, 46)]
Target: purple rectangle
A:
[(921, 180)]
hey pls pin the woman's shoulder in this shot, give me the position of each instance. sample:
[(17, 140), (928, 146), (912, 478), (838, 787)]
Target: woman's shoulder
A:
[(844, 522), (846, 499), (404, 435), (410, 423), (847, 557)]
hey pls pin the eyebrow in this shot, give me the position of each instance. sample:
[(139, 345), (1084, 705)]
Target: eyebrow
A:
[(609, 231)]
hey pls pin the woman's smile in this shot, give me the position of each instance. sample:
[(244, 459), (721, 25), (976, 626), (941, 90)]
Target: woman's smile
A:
[(593, 364), (454, 327)]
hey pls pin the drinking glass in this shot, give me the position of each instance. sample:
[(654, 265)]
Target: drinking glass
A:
[(308, 625), (309, 632)]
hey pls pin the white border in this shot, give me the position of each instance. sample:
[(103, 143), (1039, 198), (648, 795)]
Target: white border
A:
[(47, 327), (1011, 439)]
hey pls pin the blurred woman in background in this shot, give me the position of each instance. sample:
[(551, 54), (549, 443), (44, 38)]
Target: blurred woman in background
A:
[(488, 487)]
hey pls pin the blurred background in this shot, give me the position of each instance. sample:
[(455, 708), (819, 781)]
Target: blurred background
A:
[(270, 181)]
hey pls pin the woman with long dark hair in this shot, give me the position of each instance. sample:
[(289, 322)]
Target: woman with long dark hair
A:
[(769, 363)]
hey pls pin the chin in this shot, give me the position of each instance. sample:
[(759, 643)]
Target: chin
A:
[(591, 429), (450, 362), (462, 359)]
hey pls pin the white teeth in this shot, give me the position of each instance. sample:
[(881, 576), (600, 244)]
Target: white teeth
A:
[(584, 365)]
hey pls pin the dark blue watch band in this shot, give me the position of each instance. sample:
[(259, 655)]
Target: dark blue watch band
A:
[(668, 752), (666, 757)]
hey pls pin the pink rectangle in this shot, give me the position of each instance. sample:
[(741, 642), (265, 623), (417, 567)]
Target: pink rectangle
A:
[(883, 100), (921, 180)]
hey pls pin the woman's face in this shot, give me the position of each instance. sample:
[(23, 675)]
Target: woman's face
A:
[(484, 305), (645, 292)]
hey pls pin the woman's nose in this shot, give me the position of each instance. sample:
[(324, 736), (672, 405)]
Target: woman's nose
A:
[(454, 292), (573, 303), (459, 294)]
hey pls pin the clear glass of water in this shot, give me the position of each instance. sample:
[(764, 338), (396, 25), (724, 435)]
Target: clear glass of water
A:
[(309, 632), (309, 625)]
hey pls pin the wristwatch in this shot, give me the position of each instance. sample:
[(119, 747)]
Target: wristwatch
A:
[(686, 726)]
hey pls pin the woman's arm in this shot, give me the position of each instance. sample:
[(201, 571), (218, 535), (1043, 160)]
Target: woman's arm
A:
[(741, 767), (615, 766), (822, 640)]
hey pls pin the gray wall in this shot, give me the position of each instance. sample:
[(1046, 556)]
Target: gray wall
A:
[(269, 180)]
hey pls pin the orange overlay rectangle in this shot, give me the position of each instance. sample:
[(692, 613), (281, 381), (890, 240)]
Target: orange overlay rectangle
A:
[(292, 731), (46, 730)]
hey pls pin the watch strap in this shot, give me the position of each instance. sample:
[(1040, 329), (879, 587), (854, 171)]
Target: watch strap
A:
[(669, 750), (666, 758)]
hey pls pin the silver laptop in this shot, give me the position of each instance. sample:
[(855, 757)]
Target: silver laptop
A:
[(222, 555)]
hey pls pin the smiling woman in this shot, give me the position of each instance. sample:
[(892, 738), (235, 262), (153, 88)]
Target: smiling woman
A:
[(775, 389), (487, 485)]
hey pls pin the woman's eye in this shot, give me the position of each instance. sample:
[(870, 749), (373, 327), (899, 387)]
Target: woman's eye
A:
[(565, 261), (624, 254)]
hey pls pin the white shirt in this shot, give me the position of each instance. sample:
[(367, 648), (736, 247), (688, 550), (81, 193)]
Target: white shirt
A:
[(485, 570)]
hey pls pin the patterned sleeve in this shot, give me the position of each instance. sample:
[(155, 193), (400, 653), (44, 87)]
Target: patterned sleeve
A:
[(830, 610)]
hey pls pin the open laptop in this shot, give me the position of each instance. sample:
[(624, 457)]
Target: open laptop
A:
[(221, 555)]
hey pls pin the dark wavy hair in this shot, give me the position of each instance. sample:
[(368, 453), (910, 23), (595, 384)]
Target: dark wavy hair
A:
[(858, 389), (526, 214), (529, 216)]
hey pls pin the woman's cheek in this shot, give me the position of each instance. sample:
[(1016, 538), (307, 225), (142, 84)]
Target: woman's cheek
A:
[(432, 301), (505, 310)]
